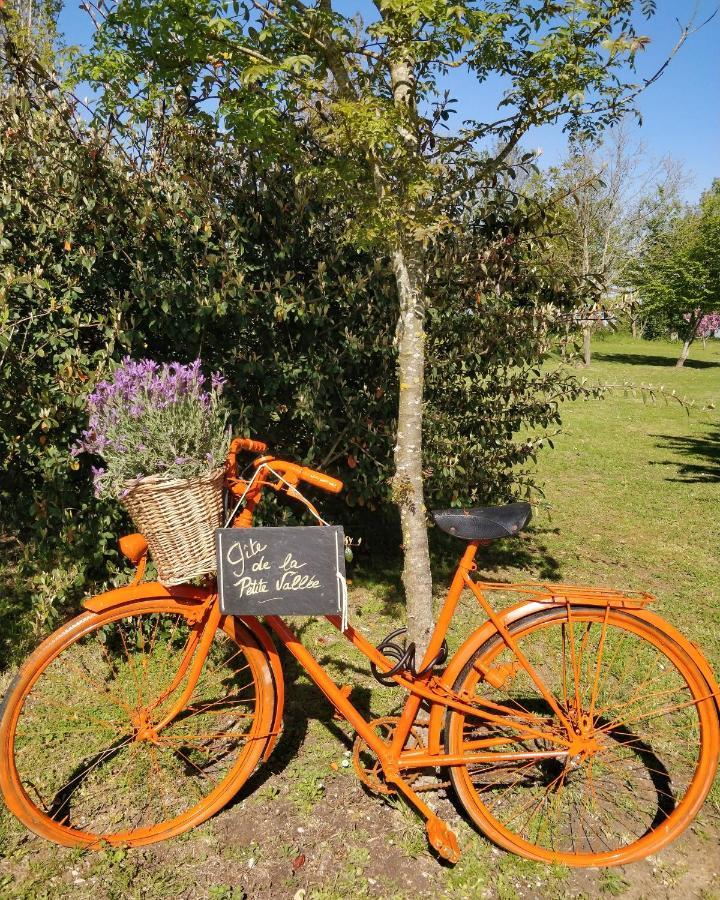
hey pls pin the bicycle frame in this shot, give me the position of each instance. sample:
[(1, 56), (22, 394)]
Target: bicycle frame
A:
[(559, 741), (420, 688), (393, 757)]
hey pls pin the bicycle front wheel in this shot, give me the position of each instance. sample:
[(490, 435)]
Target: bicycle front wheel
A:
[(80, 760), (642, 756)]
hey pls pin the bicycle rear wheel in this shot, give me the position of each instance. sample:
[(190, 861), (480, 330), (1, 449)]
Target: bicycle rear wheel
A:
[(643, 757), (80, 760)]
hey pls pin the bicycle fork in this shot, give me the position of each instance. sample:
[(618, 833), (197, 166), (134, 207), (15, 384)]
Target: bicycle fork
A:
[(191, 665)]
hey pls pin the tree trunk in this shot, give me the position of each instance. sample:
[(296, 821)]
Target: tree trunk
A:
[(690, 336), (633, 326), (585, 271), (685, 353), (587, 355), (407, 488), (408, 481)]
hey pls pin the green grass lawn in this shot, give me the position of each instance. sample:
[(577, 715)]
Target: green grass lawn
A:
[(631, 499), (633, 487)]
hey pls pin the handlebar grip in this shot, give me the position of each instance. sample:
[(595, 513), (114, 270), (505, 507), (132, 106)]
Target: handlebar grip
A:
[(249, 445), (320, 480)]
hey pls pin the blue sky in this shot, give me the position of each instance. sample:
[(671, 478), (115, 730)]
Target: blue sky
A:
[(681, 112)]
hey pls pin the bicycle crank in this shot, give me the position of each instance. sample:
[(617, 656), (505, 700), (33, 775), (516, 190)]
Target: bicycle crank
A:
[(367, 765)]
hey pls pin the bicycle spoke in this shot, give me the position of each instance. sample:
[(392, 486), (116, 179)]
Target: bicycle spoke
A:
[(656, 713), (85, 772), (98, 687), (629, 771), (564, 667), (641, 694), (204, 736), (74, 712), (573, 658), (84, 743), (598, 664)]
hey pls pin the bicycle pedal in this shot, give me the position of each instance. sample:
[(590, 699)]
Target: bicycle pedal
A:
[(442, 838)]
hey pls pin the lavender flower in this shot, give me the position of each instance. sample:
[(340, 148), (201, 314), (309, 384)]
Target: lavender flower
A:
[(151, 418), (97, 475), (217, 382)]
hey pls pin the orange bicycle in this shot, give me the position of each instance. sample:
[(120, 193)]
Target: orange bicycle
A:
[(576, 726)]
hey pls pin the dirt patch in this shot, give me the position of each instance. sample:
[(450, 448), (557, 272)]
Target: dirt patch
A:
[(346, 844), (348, 841)]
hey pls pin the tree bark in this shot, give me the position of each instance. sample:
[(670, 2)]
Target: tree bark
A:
[(690, 336), (684, 354), (587, 353), (408, 481)]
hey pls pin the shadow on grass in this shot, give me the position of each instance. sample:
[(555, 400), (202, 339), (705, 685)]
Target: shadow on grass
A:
[(528, 553), (702, 451), (303, 701), (649, 359)]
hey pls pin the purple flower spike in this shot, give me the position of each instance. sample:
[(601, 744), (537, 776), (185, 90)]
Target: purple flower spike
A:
[(97, 479), (162, 418), (217, 382)]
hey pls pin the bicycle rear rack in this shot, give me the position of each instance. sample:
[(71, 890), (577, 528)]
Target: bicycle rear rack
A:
[(570, 593)]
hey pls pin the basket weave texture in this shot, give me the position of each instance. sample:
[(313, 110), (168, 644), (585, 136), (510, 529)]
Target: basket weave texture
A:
[(178, 518)]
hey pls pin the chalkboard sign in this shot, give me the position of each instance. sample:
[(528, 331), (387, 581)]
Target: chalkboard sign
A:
[(281, 571)]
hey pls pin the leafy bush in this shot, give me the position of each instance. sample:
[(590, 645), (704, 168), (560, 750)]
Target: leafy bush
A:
[(193, 250)]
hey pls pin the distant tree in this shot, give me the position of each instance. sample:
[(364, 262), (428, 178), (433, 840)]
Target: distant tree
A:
[(677, 275), (709, 325), (612, 193)]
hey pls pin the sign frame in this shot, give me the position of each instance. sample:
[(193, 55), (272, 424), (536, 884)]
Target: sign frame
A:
[(282, 570)]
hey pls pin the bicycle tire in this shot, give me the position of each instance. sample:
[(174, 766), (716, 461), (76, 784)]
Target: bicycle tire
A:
[(68, 729), (643, 795)]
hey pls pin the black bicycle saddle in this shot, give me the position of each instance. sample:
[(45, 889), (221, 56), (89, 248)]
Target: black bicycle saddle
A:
[(485, 523)]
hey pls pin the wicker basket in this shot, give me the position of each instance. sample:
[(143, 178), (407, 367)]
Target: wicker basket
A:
[(178, 518)]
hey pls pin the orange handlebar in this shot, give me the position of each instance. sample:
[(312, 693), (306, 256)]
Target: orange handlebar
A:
[(320, 480), (247, 444), (293, 470), (295, 473)]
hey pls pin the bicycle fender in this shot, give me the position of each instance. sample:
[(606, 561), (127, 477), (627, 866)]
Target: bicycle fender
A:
[(261, 635), (150, 590), (147, 590)]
